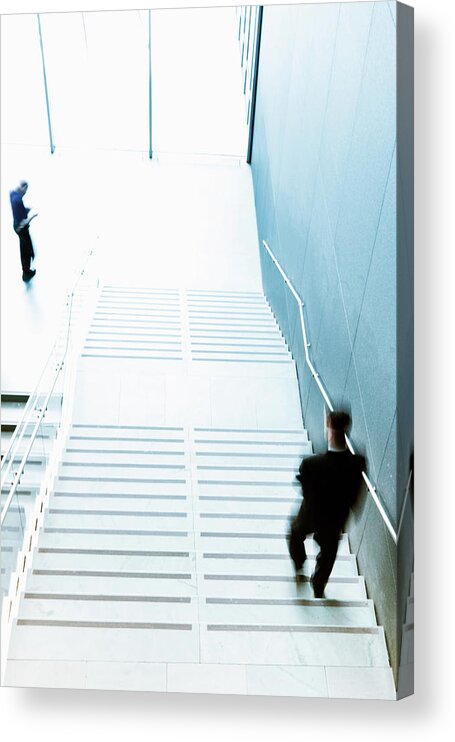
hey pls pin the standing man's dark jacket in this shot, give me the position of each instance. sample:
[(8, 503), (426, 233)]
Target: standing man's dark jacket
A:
[(20, 212), (330, 484)]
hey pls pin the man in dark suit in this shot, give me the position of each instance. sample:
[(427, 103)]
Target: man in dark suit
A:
[(22, 218), (330, 486)]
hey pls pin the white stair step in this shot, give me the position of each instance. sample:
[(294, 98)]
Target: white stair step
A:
[(38, 459), (335, 646), (111, 303), (110, 520), (124, 504), (119, 485), (238, 341), (298, 611), (31, 477), (137, 560), (253, 506), (103, 582), (227, 452), (92, 444), (121, 470), (79, 607), (207, 511), (126, 340), (152, 539), (257, 524), (252, 458), (274, 586), (183, 583), (279, 436), (128, 432), (269, 565), (279, 369), (232, 355), (128, 561), (108, 608), (154, 644), (87, 457), (119, 355), (242, 486), (218, 321), (147, 309), (255, 543), (213, 473)]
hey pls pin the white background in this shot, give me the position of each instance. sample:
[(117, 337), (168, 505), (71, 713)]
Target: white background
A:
[(77, 715)]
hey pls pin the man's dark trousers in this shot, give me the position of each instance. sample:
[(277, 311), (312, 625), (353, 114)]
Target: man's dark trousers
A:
[(26, 248), (327, 539)]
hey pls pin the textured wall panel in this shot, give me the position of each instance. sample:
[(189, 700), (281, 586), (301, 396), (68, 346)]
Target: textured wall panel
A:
[(329, 204)]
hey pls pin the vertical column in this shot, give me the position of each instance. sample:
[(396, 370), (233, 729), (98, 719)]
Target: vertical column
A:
[(45, 86), (150, 85), (255, 84)]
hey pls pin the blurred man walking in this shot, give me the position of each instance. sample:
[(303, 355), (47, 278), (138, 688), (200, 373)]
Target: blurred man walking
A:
[(330, 486)]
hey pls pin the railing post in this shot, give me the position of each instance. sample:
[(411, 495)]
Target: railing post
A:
[(150, 82)]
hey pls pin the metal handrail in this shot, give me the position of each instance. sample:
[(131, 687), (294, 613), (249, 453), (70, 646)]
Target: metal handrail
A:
[(372, 489), (19, 472), (34, 394), (25, 420)]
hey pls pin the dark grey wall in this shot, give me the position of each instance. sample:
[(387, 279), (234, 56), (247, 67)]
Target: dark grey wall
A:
[(325, 173)]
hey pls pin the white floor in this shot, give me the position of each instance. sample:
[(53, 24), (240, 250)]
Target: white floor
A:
[(160, 223)]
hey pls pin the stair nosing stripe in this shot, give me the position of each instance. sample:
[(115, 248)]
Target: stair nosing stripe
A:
[(296, 628), (349, 579), (116, 531), (103, 624), (237, 442), (130, 439), (236, 360), (237, 534), (226, 498), (108, 598), (137, 452), (114, 552), (312, 602), (131, 358), (125, 465), (246, 483), (115, 575), (119, 495), (122, 479), (120, 513), (128, 427)]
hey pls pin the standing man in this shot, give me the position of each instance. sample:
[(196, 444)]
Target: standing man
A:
[(22, 219), (330, 486)]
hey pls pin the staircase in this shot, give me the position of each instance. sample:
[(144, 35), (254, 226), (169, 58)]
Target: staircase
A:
[(162, 561)]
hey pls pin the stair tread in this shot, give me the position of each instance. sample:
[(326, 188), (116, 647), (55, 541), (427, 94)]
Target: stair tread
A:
[(199, 643)]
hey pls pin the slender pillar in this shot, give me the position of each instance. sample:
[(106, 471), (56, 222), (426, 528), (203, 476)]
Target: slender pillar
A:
[(255, 85), (150, 86), (45, 86)]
